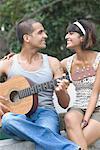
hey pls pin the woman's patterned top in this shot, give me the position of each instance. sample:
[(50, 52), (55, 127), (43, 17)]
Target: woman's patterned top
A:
[(83, 86)]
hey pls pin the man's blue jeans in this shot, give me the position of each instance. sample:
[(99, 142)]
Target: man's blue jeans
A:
[(42, 128)]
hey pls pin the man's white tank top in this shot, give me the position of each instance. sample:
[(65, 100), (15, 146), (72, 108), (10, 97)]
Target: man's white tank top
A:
[(43, 74)]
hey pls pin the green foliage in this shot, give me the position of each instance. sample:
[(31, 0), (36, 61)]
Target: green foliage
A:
[(55, 15)]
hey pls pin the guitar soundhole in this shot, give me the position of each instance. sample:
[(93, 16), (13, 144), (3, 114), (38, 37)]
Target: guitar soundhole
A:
[(14, 97)]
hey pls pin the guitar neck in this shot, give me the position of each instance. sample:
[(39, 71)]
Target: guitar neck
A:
[(36, 88)]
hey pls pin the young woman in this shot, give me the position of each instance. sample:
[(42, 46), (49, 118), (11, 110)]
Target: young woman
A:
[(83, 119)]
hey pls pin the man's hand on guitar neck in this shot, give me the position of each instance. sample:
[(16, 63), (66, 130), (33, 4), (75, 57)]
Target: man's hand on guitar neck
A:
[(61, 91), (62, 85), (3, 108)]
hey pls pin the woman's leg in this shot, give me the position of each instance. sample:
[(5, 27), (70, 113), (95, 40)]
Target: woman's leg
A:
[(92, 131), (73, 121)]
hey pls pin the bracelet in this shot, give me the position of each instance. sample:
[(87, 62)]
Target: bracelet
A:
[(85, 123)]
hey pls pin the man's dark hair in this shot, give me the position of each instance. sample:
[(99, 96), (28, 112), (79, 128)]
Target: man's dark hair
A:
[(24, 27)]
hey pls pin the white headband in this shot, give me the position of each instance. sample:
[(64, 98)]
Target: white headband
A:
[(80, 27)]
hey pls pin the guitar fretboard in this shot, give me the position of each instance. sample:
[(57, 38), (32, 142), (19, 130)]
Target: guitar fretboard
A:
[(36, 88)]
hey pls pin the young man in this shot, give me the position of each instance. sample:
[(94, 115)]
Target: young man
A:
[(41, 127)]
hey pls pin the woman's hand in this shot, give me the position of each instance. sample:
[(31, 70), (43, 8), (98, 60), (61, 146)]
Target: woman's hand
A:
[(84, 123), (8, 56)]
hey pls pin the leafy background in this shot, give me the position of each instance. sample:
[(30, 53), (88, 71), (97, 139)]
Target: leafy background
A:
[(55, 15)]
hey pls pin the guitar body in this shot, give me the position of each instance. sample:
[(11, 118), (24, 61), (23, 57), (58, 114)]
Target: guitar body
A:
[(26, 105), (21, 97)]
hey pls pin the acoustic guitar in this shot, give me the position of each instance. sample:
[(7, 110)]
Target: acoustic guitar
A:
[(22, 98)]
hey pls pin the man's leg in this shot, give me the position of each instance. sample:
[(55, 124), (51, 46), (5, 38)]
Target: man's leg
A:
[(24, 128)]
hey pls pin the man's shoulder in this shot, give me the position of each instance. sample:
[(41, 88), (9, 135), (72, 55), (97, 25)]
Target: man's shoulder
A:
[(53, 59), (54, 63)]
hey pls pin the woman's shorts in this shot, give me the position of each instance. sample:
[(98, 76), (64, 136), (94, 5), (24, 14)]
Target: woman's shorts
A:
[(95, 115)]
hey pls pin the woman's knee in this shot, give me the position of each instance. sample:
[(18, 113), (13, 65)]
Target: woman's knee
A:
[(68, 119), (71, 119)]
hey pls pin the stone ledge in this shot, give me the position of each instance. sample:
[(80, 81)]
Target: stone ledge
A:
[(10, 144)]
